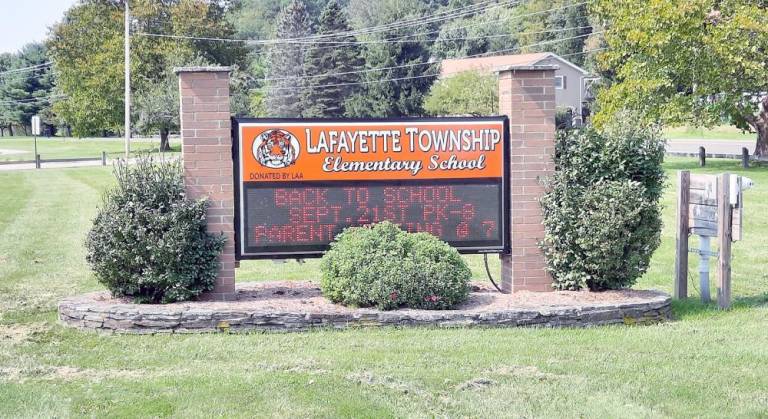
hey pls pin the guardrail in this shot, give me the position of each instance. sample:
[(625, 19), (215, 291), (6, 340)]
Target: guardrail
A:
[(38, 161), (703, 156)]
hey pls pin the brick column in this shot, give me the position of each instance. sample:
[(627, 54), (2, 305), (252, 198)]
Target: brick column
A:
[(206, 148), (527, 97)]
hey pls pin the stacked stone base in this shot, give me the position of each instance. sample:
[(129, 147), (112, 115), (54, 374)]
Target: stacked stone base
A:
[(292, 311)]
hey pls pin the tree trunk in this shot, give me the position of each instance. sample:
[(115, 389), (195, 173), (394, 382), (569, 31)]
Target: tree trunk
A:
[(10, 129), (761, 126), (164, 143), (69, 131)]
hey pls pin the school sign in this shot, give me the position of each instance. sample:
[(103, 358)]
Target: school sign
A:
[(283, 188), (301, 182)]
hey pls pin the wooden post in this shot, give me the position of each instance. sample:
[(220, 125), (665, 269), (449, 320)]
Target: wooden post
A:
[(724, 241), (103, 158), (37, 161), (745, 158), (681, 242), (702, 156)]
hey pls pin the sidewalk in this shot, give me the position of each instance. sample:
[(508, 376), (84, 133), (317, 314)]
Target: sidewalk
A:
[(63, 165)]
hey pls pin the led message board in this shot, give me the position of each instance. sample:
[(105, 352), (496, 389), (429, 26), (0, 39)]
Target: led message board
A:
[(300, 182)]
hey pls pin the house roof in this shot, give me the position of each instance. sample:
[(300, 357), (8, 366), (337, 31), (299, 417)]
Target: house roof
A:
[(514, 61)]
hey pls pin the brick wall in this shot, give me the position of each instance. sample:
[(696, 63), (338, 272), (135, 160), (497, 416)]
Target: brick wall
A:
[(206, 148), (527, 97)]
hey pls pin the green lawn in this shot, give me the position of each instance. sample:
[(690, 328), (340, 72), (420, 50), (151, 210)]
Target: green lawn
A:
[(60, 148), (723, 132), (707, 363)]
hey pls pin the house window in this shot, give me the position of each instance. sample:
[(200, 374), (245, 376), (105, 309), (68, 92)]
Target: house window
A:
[(559, 82)]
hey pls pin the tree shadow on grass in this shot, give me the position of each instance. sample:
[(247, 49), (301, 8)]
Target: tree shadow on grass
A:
[(693, 307)]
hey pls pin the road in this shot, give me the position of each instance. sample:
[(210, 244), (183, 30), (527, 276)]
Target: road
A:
[(712, 146)]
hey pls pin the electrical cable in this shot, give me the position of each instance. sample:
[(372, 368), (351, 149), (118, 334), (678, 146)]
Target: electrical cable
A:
[(488, 271), (18, 70), (279, 88), (363, 31)]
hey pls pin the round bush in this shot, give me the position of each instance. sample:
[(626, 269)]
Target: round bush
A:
[(148, 241), (383, 266)]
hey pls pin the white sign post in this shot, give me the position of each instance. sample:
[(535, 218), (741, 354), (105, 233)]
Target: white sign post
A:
[(36, 131)]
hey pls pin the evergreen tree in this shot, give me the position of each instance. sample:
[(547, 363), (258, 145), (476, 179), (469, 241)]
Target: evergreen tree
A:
[(330, 68), (27, 93), (403, 92), (285, 71)]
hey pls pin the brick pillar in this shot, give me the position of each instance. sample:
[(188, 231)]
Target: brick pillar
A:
[(206, 148), (527, 97)]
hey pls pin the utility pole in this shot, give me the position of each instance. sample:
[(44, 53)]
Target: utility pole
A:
[(127, 80)]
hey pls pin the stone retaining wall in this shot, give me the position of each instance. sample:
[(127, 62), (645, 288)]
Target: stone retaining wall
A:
[(97, 311)]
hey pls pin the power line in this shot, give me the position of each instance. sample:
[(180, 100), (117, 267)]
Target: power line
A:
[(314, 39), (32, 100), (406, 65), (18, 70), (393, 40), (416, 21), (421, 63)]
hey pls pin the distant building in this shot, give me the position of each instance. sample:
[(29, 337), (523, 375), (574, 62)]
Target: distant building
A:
[(569, 78)]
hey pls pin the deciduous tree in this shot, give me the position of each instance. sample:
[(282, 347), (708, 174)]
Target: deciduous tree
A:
[(467, 93), (688, 62)]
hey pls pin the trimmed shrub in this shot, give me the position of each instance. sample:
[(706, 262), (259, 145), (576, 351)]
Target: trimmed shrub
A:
[(383, 266), (148, 241), (601, 211)]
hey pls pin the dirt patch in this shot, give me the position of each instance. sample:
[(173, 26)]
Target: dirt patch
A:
[(371, 379), (520, 371), (17, 334), (67, 373), (475, 384)]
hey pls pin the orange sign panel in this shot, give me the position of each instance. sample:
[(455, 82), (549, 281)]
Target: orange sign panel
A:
[(445, 148), (301, 182)]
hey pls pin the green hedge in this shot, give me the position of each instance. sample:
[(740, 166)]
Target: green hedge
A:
[(601, 212), (386, 267), (148, 241)]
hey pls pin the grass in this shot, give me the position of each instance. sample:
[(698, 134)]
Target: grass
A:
[(707, 363), (722, 132), (60, 148)]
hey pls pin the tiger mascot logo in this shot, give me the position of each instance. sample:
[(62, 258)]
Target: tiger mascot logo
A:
[(276, 148)]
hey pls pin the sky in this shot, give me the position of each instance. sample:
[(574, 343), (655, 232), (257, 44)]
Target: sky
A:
[(25, 21)]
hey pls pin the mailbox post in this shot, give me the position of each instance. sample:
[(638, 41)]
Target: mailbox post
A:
[(708, 206)]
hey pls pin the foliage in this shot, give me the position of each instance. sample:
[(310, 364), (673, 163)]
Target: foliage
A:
[(564, 118), (26, 93), (384, 266), (467, 93), (87, 51), (601, 209), (687, 62), (495, 29), (544, 23), (157, 107), (148, 241), (406, 66), (285, 72), (331, 68)]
